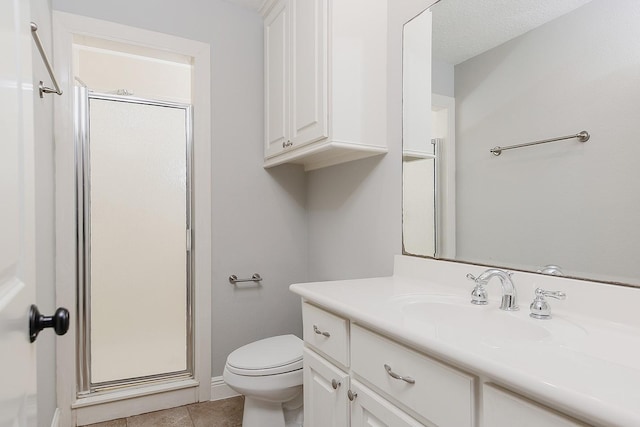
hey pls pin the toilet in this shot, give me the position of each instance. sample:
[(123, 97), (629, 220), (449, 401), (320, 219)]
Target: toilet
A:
[(269, 374)]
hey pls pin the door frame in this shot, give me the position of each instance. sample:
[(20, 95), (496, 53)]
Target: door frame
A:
[(127, 402), (446, 179)]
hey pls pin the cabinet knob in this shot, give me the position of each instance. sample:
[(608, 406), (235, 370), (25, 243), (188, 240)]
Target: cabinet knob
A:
[(335, 384), (351, 395)]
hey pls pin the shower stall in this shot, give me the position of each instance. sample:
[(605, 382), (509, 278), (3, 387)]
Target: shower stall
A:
[(133, 163)]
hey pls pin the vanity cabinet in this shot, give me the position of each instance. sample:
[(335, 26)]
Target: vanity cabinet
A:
[(332, 397), (327, 403), (325, 81), (356, 377)]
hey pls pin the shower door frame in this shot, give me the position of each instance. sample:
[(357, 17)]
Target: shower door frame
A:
[(73, 410), (85, 385)]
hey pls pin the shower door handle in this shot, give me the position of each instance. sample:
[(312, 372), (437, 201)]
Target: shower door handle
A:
[(37, 322)]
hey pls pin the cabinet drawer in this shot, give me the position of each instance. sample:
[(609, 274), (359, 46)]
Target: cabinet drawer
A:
[(326, 332), (441, 394), (501, 407)]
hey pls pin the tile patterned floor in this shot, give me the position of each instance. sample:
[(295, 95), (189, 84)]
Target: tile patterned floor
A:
[(221, 413)]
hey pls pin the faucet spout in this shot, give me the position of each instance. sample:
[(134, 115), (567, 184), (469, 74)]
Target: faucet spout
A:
[(509, 296)]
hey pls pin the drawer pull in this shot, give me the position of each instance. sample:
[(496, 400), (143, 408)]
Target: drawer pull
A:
[(319, 332), (398, 377), (335, 384), (351, 395)]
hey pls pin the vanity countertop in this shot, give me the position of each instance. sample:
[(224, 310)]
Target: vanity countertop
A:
[(585, 366)]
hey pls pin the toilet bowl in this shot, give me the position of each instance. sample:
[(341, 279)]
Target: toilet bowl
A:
[(269, 374)]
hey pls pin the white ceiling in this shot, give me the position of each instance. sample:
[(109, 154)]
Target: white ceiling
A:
[(463, 29)]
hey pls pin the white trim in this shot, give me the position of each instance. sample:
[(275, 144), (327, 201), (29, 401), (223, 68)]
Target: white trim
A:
[(65, 27), (220, 390), (98, 412), (55, 421), (331, 152), (132, 392)]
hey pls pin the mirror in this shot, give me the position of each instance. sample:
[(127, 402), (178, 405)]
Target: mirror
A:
[(498, 73)]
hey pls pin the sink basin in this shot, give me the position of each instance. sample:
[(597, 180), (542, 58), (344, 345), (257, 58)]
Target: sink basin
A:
[(471, 322), (455, 319)]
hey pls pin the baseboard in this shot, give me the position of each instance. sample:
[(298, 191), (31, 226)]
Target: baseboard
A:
[(55, 421), (220, 390)]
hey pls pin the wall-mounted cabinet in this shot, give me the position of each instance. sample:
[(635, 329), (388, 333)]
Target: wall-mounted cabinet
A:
[(325, 81)]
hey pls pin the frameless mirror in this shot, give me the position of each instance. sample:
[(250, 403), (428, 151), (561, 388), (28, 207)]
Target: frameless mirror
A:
[(478, 75)]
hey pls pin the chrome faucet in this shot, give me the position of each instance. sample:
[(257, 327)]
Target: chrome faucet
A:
[(479, 293)]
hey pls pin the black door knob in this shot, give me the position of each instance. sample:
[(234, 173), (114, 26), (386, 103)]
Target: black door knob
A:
[(37, 322)]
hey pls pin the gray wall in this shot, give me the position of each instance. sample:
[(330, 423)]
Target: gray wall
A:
[(259, 218), (565, 203), (442, 78), (354, 209), (45, 217), (335, 223)]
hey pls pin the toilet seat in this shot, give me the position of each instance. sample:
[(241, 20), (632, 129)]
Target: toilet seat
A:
[(270, 356)]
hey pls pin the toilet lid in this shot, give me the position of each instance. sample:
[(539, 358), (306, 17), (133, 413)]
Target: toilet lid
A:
[(269, 356)]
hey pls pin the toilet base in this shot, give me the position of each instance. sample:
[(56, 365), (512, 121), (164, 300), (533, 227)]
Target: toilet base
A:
[(294, 417), (260, 413)]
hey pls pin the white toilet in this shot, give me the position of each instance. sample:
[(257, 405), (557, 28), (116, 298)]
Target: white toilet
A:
[(269, 374)]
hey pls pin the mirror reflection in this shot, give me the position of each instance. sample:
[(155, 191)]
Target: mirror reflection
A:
[(478, 75)]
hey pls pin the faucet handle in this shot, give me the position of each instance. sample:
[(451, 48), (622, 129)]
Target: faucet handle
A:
[(553, 294), (540, 308), (479, 293)]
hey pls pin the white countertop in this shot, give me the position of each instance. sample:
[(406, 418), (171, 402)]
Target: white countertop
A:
[(584, 366)]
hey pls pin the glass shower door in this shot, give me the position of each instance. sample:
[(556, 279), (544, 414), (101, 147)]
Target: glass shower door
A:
[(134, 209)]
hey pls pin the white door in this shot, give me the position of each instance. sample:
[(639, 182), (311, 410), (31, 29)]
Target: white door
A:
[(17, 249), (277, 41), (309, 72)]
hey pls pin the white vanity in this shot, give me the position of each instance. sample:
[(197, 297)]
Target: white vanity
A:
[(411, 350)]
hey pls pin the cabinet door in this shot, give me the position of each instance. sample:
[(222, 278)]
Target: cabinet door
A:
[(370, 410), (500, 408), (416, 88), (309, 71), (277, 42), (325, 393)]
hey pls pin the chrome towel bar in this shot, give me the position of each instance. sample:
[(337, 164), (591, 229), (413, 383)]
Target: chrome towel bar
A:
[(233, 279), (44, 89), (581, 136)]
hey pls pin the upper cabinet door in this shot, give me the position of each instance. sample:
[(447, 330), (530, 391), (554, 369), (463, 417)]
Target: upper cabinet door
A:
[(277, 47), (416, 89), (309, 71)]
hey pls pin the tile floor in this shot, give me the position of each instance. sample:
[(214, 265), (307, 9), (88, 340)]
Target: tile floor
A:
[(221, 413)]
